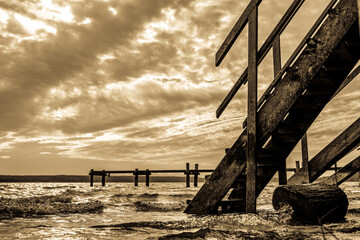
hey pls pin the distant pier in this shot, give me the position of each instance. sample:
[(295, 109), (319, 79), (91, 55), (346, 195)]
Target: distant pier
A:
[(187, 171)]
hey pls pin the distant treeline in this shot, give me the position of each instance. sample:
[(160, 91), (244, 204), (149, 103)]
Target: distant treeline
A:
[(86, 178)]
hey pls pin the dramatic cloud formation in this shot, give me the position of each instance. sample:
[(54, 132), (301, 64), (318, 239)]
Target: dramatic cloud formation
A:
[(125, 84)]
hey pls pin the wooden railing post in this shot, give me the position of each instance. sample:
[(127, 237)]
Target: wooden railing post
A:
[(187, 174), (252, 112), (196, 173), (136, 178), (305, 158)]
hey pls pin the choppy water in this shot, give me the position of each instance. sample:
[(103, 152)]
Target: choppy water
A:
[(122, 211)]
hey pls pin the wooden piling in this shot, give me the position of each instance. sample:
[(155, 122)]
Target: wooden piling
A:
[(147, 177), (196, 173), (277, 67), (187, 174), (252, 112), (305, 158), (103, 178), (297, 166), (91, 178), (136, 179)]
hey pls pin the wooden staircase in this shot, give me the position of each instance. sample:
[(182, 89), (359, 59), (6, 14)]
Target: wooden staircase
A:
[(287, 112)]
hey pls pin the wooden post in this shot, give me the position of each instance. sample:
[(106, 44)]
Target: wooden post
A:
[(147, 177), (297, 163), (277, 67), (136, 177), (91, 178), (196, 173), (305, 158), (187, 174), (252, 112), (103, 178)]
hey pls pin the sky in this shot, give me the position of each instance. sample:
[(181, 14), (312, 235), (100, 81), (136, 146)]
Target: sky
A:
[(127, 84)]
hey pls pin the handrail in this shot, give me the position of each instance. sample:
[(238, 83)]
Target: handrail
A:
[(296, 52), (235, 32), (306, 39), (279, 28)]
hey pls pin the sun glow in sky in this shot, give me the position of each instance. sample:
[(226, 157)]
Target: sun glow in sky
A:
[(132, 84)]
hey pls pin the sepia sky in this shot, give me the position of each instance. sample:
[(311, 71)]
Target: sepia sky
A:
[(127, 84)]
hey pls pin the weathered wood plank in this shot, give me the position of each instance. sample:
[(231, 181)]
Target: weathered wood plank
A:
[(252, 112), (333, 152), (235, 32), (344, 173)]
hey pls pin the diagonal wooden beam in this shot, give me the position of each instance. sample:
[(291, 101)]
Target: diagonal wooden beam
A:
[(334, 151), (344, 173), (235, 32)]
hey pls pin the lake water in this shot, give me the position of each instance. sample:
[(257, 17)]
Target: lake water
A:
[(122, 211)]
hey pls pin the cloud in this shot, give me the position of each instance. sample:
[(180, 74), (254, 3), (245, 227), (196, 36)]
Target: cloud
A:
[(134, 81)]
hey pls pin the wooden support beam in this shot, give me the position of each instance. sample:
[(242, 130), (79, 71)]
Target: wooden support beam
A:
[(334, 151), (187, 174), (305, 158), (136, 178), (277, 68), (147, 177), (196, 174), (252, 112), (344, 173)]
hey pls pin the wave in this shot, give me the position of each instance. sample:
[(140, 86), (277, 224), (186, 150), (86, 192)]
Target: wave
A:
[(209, 233), (45, 205), (146, 196), (169, 225), (144, 206), (58, 187), (182, 195)]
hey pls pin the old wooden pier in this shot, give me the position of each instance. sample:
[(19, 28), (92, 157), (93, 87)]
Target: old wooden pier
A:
[(320, 67), (188, 172)]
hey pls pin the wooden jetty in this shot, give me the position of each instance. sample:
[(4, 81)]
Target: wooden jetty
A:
[(316, 71), (188, 172)]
